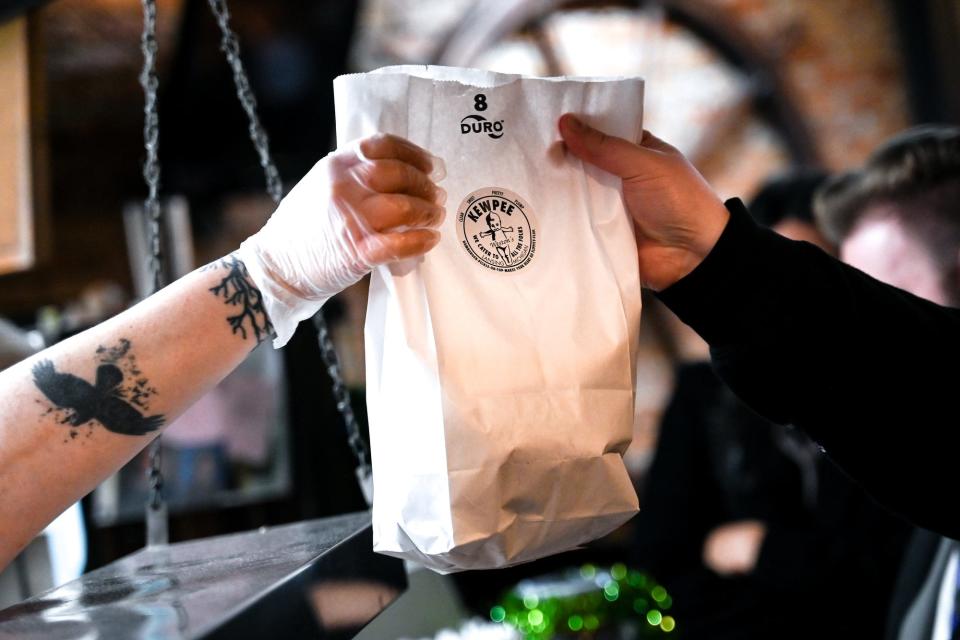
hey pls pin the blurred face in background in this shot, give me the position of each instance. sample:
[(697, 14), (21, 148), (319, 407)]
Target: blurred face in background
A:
[(882, 247)]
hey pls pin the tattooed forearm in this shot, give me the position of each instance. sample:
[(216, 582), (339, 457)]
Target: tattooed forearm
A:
[(110, 400), (238, 290)]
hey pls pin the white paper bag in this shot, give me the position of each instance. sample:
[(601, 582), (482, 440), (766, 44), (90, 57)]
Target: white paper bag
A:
[(500, 367)]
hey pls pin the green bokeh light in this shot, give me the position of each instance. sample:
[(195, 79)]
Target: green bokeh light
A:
[(618, 571), (607, 597), (668, 624), (591, 622), (611, 591), (640, 605)]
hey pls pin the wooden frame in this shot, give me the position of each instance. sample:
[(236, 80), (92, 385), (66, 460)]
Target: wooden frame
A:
[(25, 233), (17, 238)]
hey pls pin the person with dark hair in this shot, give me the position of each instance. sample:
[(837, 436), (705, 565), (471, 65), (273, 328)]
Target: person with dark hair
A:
[(863, 367), (787, 196), (745, 520), (898, 219)]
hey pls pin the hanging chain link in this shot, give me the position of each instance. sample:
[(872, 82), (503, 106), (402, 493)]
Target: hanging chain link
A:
[(342, 397), (157, 526), (231, 49), (156, 509)]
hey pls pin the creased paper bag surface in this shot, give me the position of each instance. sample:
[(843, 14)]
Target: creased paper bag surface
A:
[(500, 367)]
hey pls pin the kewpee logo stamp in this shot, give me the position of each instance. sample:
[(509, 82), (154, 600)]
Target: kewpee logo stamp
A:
[(497, 228)]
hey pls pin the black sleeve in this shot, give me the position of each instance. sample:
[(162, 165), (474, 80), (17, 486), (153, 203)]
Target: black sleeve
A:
[(849, 542), (868, 370)]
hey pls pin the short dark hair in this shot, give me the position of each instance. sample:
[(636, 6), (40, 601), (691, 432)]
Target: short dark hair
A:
[(917, 174), (788, 196)]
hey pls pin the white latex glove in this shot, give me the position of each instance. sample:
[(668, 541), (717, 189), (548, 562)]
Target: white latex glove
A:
[(369, 203)]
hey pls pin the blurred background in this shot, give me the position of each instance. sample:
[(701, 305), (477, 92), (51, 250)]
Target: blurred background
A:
[(748, 89)]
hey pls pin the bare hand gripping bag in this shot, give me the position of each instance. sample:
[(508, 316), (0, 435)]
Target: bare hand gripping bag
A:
[(500, 367)]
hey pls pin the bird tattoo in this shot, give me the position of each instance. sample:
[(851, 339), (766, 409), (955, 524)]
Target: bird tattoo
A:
[(100, 401)]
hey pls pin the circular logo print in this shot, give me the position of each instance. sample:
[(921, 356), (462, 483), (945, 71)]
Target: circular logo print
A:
[(498, 229)]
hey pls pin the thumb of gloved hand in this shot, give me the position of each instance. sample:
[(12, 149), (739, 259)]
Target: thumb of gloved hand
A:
[(370, 203)]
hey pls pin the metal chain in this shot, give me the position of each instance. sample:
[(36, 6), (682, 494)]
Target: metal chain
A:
[(156, 509), (231, 48), (342, 397), (157, 527)]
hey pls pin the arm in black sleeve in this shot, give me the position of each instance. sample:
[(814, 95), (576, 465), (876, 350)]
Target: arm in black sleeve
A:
[(848, 541), (868, 370)]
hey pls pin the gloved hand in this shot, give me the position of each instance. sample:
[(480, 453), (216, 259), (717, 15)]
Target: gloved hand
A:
[(369, 203)]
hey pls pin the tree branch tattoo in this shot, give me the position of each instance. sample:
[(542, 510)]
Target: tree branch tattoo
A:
[(238, 290), (112, 399)]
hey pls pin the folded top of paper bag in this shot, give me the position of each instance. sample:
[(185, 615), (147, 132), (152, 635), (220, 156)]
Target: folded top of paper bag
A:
[(480, 77)]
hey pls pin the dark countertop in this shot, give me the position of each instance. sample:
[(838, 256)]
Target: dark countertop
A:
[(318, 578)]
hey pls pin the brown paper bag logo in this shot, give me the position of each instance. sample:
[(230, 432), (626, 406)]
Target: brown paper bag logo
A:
[(478, 124), (498, 229)]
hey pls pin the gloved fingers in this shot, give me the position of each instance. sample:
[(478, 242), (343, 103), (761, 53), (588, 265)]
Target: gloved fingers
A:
[(385, 211), (396, 176), (386, 146), (397, 245)]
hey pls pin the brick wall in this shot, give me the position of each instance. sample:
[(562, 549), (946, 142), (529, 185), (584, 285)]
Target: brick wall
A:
[(840, 61)]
